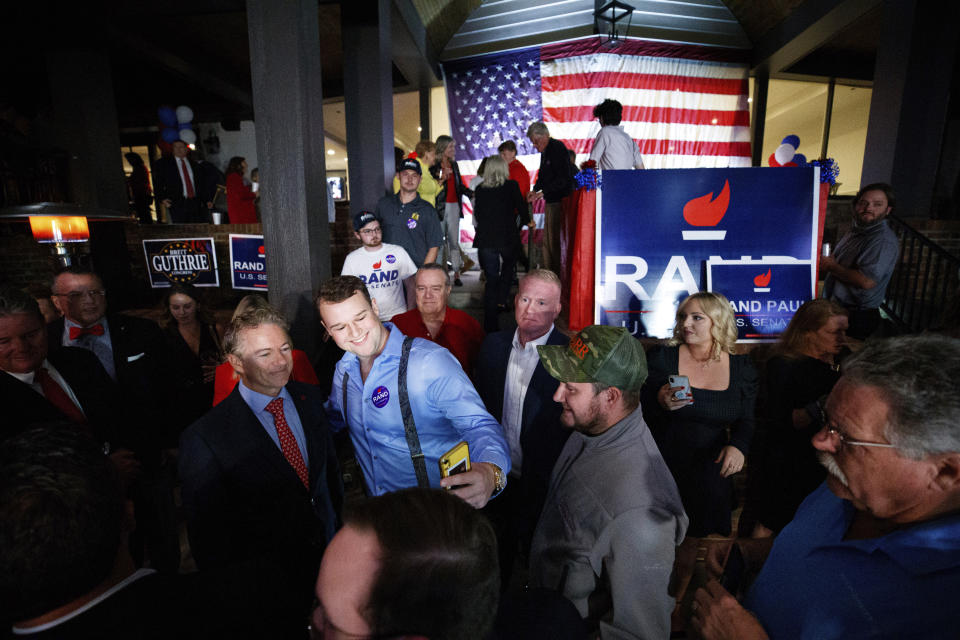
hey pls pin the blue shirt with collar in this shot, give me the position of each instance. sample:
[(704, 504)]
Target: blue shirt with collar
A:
[(815, 584), (101, 346), (258, 402), (445, 406)]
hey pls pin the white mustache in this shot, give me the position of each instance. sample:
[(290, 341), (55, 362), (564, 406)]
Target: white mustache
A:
[(830, 463)]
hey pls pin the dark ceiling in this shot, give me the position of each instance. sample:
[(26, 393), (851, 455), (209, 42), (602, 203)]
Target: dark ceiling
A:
[(196, 51), (173, 52)]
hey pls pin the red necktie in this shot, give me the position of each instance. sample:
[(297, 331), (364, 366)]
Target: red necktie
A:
[(187, 182), (95, 330), (55, 394), (288, 443)]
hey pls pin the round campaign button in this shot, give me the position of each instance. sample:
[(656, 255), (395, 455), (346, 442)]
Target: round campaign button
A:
[(411, 223), (391, 258), (380, 397)]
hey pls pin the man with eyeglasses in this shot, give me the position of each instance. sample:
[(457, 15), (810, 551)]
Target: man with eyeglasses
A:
[(875, 551), (382, 267), (132, 351)]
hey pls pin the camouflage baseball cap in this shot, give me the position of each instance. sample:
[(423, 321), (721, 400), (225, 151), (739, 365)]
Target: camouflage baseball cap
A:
[(608, 355)]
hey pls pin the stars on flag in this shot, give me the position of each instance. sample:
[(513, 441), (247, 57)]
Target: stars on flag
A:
[(504, 91)]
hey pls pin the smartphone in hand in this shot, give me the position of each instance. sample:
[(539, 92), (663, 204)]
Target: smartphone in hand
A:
[(680, 381), (455, 461)]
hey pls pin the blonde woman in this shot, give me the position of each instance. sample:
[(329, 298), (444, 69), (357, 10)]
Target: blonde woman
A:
[(452, 190), (703, 437), (499, 212)]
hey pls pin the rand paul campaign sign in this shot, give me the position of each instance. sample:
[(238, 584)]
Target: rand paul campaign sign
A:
[(248, 262), (181, 261), (749, 233)]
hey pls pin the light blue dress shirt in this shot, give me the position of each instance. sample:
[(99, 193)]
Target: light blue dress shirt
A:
[(258, 402), (101, 346), (445, 405)]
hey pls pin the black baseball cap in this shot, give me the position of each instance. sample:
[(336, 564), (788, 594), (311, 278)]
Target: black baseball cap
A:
[(362, 219), (410, 164)]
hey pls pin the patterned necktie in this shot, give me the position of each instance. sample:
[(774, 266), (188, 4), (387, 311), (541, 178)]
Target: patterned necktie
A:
[(187, 182), (288, 443), (56, 396)]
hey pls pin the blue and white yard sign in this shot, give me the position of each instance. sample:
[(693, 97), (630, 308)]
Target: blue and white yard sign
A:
[(248, 262), (749, 233)]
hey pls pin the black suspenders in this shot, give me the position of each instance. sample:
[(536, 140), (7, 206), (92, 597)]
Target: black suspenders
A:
[(409, 426)]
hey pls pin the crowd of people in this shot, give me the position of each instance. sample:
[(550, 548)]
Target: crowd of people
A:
[(594, 460)]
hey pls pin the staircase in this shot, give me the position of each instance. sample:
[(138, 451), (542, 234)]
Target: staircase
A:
[(924, 291)]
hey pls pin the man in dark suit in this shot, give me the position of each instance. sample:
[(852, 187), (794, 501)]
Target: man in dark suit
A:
[(131, 349), (180, 186), (259, 471), (518, 392), (133, 353), (66, 387)]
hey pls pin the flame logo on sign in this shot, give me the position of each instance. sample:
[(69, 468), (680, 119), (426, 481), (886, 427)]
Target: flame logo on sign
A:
[(376, 265), (706, 212), (261, 251), (762, 280)]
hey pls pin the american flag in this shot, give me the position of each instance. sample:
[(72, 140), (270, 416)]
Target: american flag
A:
[(685, 105)]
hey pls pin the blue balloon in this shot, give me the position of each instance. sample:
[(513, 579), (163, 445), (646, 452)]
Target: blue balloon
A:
[(169, 135), (793, 141), (167, 116), (184, 125), (800, 159)]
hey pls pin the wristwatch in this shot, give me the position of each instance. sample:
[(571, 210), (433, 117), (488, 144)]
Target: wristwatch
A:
[(500, 479)]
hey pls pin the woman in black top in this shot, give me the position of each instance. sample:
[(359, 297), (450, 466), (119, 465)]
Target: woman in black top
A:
[(803, 369), (194, 351), (703, 438), (499, 211)]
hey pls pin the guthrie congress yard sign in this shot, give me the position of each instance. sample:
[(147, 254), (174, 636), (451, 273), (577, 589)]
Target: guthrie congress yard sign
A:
[(181, 261)]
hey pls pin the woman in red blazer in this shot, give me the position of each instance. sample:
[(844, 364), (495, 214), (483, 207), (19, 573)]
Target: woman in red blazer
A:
[(240, 195)]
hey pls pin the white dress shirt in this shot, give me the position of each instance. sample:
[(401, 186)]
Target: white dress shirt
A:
[(523, 360), (183, 166), (30, 379), (615, 149)]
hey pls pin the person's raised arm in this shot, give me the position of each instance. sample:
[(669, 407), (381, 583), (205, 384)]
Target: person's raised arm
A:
[(451, 390)]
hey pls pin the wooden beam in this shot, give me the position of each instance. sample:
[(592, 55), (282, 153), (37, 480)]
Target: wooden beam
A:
[(288, 103)]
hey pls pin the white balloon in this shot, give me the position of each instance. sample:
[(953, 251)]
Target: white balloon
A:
[(184, 114), (783, 154), (188, 135)]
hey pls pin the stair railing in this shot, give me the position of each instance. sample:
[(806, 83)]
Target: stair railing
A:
[(923, 282)]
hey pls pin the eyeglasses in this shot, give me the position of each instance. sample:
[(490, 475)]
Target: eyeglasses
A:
[(834, 430), (370, 232), (76, 296), (844, 440)]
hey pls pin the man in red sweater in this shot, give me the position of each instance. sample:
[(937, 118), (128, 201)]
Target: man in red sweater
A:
[(434, 320)]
